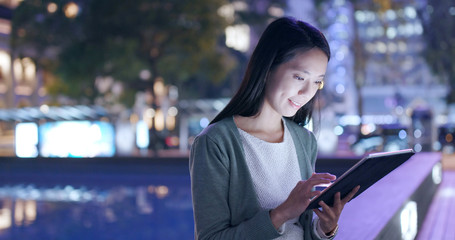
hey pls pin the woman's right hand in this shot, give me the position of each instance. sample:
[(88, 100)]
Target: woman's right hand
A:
[(299, 198)]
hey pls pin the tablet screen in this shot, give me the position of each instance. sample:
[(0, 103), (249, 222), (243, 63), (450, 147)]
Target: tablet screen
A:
[(365, 173)]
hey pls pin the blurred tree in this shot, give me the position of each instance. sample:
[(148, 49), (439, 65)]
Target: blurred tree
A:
[(438, 19), (130, 42), (256, 14)]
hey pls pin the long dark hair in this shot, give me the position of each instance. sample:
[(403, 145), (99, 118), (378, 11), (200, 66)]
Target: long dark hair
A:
[(279, 43)]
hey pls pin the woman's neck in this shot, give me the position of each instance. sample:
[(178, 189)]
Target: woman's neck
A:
[(263, 126)]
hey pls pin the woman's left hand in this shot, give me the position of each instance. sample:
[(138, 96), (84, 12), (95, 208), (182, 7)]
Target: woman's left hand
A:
[(328, 216)]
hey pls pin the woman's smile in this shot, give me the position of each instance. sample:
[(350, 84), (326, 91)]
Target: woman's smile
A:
[(295, 104)]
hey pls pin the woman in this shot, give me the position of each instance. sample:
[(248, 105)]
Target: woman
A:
[(252, 168)]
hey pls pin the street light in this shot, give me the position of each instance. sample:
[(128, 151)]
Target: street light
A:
[(52, 7), (71, 10)]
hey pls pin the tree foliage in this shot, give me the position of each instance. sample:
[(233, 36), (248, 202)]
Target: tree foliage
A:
[(172, 39)]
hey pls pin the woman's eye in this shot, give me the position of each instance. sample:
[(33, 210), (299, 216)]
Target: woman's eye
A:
[(298, 77)]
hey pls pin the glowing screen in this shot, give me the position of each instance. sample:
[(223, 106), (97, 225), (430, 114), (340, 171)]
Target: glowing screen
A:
[(26, 140), (77, 139)]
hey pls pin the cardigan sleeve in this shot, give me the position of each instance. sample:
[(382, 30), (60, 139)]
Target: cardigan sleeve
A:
[(210, 174)]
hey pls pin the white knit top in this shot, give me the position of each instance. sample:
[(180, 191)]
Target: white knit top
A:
[(275, 172)]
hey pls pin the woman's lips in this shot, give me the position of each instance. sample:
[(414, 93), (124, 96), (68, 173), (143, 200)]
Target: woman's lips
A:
[(295, 104)]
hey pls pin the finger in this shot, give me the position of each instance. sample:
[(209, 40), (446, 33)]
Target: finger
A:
[(337, 200), (317, 181), (308, 185), (324, 175), (314, 194), (319, 213), (350, 195), (338, 205), (326, 209)]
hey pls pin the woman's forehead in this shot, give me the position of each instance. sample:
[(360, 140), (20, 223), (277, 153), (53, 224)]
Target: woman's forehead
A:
[(310, 62)]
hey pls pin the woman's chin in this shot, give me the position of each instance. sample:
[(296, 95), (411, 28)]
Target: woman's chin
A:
[(289, 114)]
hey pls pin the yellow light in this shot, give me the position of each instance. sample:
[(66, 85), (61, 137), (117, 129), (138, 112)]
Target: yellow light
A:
[(159, 120), (71, 10), (17, 68), (161, 191), (170, 123), (52, 7), (134, 118), (5, 218), (158, 87), (29, 69), (449, 137), (19, 212), (5, 62), (30, 211), (366, 129)]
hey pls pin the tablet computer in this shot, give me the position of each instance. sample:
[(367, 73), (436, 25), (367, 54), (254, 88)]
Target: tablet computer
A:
[(365, 173)]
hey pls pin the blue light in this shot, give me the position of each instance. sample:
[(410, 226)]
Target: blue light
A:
[(340, 88), (338, 130), (142, 135), (418, 147), (402, 134), (204, 122)]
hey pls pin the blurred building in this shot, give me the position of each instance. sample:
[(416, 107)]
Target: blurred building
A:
[(5, 57), (378, 76), (20, 84)]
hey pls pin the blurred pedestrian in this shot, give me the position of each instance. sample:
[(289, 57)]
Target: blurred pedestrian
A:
[(252, 168)]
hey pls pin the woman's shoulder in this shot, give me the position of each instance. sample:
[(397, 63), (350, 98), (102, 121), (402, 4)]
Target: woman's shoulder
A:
[(219, 130), (222, 136)]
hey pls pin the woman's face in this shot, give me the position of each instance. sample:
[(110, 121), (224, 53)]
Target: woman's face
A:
[(293, 83)]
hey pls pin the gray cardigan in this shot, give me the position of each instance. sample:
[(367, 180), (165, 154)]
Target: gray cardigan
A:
[(224, 200)]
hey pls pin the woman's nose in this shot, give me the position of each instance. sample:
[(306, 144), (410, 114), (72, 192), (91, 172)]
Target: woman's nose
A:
[(305, 89)]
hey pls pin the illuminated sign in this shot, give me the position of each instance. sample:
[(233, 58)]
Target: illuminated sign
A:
[(77, 139)]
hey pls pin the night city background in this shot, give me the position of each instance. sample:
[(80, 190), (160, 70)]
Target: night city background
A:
[(100, 101)]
